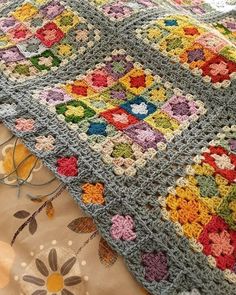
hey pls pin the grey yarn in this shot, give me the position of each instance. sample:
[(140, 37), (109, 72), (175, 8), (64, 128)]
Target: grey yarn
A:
[(189, 272)]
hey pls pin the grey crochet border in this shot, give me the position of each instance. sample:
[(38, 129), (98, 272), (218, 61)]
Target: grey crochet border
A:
[(137, 195)]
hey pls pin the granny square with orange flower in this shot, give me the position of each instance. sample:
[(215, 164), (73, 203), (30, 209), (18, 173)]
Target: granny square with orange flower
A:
[(185, 40), (47, 34), (122, 107), (203, 204)]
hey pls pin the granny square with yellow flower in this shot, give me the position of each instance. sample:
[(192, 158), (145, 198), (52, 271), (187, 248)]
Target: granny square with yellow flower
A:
[(203, 204), (185, 40), (39, 37), (124, 111)]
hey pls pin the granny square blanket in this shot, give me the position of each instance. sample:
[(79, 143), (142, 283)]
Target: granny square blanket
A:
[(132, 104)]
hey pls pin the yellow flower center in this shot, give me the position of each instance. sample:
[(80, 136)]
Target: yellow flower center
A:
[(75, 111), (55, 282)]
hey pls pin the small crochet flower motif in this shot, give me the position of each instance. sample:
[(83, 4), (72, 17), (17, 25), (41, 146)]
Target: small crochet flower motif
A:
[(82, 35), (45, 61), (45, 143), (121, 118), (139, 108), (123, 228), (223, 161), (156, 267), (196, 55), (93, 193), (219, 69), (221, 243), (74, 111), (67, 166), (22, 124)]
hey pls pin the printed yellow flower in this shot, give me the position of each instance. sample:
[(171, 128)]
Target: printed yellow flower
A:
[(21, 154), (56, 272)]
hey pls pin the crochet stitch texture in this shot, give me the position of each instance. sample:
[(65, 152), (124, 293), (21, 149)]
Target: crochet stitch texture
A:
[(132, 105)]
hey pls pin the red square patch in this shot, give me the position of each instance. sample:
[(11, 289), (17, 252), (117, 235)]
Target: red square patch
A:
[(218, 69), (119, 118), (49, 34)]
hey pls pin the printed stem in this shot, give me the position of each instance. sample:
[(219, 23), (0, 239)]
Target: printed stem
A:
[(36, 213), (93, 235)]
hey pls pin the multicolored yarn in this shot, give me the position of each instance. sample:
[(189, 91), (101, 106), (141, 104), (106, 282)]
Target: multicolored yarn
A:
[(131, 103)]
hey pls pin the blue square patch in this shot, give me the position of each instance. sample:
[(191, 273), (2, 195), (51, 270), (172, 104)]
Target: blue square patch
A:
[(139, 107)]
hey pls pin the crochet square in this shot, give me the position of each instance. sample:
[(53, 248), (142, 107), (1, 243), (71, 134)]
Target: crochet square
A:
[(195, 56), (159, 92), (66, 20), (52, 9), (5, 42), (218, 69), (49, 34), (212, 42), (8, 23), (118, 65), (229, 53), (74, 111), (79, 89), (137, 81), (119, 118), (53, 96), (25, 12), (180, 108), (19, 33), (11, 54), (99, 80), (144, 135), (163, 123), (21, 69), (36, 22), (174, 44), (227, 209), (31, 47), (116, 95), (139, 107), (45, 61)]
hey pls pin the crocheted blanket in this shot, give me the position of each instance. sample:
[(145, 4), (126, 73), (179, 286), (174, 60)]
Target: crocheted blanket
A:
[(132, 105)]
